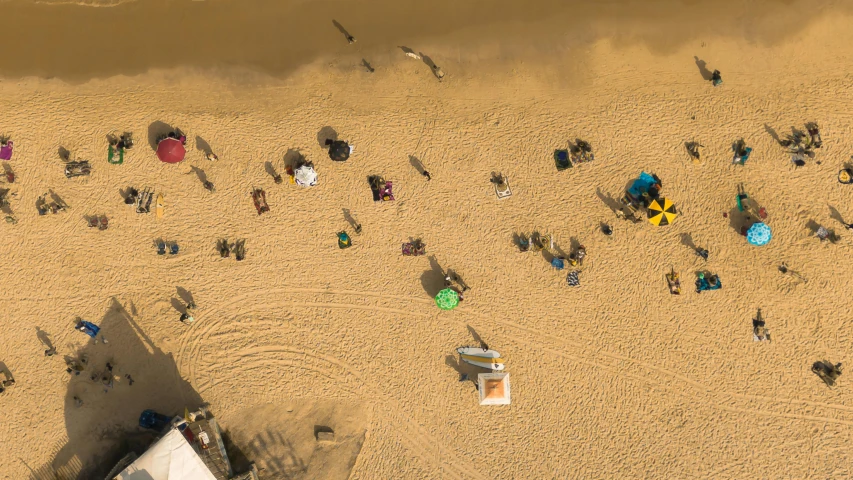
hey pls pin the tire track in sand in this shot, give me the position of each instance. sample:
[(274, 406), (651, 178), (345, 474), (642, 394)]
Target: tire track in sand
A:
[(417, 440)]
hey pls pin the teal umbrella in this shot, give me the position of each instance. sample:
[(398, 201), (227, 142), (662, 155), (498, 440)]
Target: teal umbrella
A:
[(447, 299), (759, 234)]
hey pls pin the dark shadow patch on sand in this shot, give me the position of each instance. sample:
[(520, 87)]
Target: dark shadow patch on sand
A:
[(105, 427)]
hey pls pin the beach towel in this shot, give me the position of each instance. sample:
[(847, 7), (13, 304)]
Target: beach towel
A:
[(6, 151), (385, 193), (561, 159), (88, 328)]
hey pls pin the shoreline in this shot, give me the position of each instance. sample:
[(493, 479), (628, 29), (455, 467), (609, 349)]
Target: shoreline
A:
[(275, 38)]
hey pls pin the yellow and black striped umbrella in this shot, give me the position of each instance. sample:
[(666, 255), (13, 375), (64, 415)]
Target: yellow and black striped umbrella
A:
[(662, 212)]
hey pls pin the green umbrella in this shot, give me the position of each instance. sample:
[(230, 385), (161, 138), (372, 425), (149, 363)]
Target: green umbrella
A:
[(447, 299)]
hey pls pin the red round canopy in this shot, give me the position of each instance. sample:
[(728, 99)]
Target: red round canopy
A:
[(171, 150)]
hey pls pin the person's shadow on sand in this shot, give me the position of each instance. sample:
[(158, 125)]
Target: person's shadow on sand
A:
[(156, 131), (433, 279), (703, 68)]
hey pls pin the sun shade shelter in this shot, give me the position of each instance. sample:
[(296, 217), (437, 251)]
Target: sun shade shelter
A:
[(305, 176), (171, 150), (447, 299), (494, 388), (759, 234), (171, 458), (661, 212), (339, 151)]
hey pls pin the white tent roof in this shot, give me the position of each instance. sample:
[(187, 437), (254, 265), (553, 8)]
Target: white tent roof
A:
[(171, 458)]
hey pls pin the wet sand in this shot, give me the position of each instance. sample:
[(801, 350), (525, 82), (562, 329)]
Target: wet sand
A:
[(274, 37)]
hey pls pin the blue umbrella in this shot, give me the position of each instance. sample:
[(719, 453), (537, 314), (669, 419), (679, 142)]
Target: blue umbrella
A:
[(759, 234)]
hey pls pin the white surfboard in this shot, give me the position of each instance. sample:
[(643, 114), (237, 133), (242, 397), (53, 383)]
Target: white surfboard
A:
[(489, 359)]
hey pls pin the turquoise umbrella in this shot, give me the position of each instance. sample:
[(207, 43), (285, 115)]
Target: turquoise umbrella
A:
[(447, 299), (759, 234)]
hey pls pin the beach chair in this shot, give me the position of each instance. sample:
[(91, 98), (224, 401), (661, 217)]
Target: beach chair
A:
[(103, 222), (673, 281), (259, 197), (827, 372), (558, 263), (173, 248), (693, 151), (502, 189), (223, 248), (143, 201), (540, 242), (42, 206), (240, 250), (77, 169), (161, 247), (523, 243)]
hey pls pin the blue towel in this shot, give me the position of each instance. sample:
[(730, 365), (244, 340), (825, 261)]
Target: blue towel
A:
[(88, 328)]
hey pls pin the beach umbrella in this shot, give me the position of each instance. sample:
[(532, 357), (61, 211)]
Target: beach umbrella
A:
[(447, 299), (171, 150), (759, 234), (339, 151), (661, 212), (305, 176)]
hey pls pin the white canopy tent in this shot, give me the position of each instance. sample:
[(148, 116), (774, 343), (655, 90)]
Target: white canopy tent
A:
[(171, 458)]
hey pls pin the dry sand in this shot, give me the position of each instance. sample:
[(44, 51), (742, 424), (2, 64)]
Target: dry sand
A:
[(615, 379)]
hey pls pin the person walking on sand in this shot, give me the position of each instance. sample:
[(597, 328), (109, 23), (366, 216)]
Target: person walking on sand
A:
[(439, 73), (186, 318), (427, 175)]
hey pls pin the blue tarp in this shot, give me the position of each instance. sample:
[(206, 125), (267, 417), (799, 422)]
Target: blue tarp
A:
[(641, 185), (88, 328)]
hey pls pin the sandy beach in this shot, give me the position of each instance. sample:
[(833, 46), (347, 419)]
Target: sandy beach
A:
[(615, 379)]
